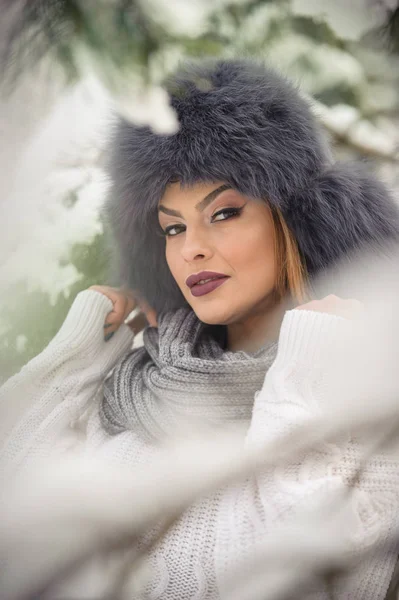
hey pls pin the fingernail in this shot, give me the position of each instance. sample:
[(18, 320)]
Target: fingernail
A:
[(108, 336), (107, 325)]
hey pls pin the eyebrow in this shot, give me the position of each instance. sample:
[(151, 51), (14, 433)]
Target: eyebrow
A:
[(200, 206)]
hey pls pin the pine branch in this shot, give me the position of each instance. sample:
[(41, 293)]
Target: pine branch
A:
[(383, 148), (117, 35)]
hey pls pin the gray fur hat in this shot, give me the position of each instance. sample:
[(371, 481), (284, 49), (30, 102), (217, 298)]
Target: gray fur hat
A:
[(245, 124)]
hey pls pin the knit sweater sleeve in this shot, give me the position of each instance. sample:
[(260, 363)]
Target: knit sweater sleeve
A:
[(295, 390), (50, 393)]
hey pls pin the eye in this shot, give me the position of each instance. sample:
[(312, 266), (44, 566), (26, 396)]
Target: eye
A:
[(220, 215), (227, 213), (173, 230)]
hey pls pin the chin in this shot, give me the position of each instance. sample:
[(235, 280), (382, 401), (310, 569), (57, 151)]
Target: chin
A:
[(225, 312), (210, 319), (216, 315)]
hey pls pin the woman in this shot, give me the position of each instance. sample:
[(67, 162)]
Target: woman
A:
[(219, 229)]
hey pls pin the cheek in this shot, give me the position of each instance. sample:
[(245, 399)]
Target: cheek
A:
[(253, 259), (174, 262)]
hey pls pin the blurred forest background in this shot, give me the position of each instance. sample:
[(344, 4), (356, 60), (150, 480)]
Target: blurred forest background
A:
[(75, 63)]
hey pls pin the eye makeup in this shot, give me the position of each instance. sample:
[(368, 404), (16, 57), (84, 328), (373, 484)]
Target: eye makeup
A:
[(229, 212)]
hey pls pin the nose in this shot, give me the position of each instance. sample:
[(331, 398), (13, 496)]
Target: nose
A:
[(196, 245)]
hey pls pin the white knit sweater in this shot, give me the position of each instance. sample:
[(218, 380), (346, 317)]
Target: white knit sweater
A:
[(46, 403)]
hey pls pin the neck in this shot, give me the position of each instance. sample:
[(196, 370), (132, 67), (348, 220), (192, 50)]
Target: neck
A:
[(257, 329)]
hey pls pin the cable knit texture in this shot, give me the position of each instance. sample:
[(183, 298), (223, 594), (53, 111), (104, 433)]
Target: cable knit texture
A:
[(181, 375), (54, 404)]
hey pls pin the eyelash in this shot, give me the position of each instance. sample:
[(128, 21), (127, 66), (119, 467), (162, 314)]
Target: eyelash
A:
[(232, 212)]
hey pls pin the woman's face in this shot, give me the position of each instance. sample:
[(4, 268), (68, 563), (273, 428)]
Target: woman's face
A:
[(214, 232)]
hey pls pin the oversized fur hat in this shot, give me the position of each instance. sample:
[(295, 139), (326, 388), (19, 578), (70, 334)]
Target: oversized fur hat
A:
[(242, 123)]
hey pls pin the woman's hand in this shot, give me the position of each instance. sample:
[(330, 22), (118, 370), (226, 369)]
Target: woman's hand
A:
[(333, 305), (124, 302)]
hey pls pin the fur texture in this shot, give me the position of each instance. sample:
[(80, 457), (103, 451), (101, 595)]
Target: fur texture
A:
[(244, 124)]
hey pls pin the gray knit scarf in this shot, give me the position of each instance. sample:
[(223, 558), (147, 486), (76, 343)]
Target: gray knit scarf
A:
[(182, 373)]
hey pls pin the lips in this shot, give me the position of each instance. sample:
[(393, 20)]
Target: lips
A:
[(205, 282)]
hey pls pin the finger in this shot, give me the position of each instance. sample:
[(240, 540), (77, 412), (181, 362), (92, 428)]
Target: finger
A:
[(356, 303), (123, 302), (111, 293), (151, 316), (149, 312), (138, 323), (115, 317), (308, 306), (131, 304), (354, 309), (111, 321)]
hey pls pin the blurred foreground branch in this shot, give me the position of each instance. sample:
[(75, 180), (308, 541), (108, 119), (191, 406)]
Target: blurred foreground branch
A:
[(85, 509)]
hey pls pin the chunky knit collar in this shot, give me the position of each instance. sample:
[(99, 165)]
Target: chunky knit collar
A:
[(181, 374)]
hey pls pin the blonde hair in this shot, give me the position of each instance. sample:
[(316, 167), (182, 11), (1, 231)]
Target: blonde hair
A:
[(291, 270)]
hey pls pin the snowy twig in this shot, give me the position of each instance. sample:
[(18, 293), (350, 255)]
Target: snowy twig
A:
[(346, 125)]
